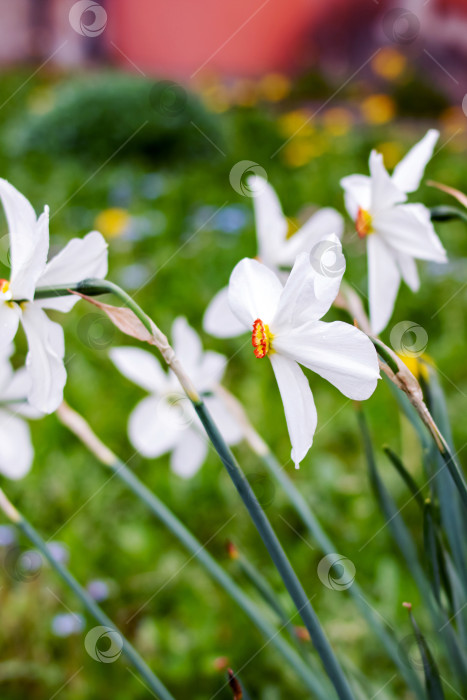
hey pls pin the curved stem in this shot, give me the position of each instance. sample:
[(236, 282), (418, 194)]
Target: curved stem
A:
[(278, 556), (79, 427), (130, 652)]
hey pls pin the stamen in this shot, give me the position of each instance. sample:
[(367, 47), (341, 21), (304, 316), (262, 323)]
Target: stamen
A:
[(363, 223), (261, 339), (4, 286)]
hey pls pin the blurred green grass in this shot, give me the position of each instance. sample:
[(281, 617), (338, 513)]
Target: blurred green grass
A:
[(180, 252)]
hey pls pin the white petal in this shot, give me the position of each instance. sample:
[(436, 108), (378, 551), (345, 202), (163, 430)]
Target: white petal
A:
[(210, 370), (16, 391), (383, 282), (408, 173), (271, 224), (9, 321), (408, 270), (187, 344), (384, 193), (189, 454), (409, 230), (6, 370), (29, 241), (219, 319), (299, 406), (140, 367), (81, 259), (229, 428), (254, 292), (44, 361), (338, 352), (312, 285), (321, 225), (16, 451), (153, 428), (357, 193)]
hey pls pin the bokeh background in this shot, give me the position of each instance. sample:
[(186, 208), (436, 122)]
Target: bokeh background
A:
[(128, 117)]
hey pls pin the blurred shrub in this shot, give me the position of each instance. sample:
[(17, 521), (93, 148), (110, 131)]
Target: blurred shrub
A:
[(119, 116)]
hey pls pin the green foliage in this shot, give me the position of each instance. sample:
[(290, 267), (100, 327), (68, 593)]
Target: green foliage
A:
[(113, 115)]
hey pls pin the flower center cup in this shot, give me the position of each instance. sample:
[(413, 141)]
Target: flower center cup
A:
[(363, 223), (261, 339)]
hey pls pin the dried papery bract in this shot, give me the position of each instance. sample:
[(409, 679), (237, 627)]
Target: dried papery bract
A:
[(128, 322)]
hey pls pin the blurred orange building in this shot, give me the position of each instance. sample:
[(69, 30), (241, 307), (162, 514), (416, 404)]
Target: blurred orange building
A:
[(185, 39)]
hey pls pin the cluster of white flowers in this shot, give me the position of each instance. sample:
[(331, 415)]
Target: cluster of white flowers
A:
[(279, 298)]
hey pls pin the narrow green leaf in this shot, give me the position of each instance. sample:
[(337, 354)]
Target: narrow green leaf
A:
[(433, 684), (406, 475), (431, 549), (447, 213)]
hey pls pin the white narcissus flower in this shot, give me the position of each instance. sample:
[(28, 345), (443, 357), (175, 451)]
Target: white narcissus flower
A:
[(286, 327), (166, 421), (397, 233), (276, 248), (29, 247), (16, 451)]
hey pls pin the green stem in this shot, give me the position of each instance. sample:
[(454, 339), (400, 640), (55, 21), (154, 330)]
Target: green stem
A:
[(130, 652), (278, 556), (81, 429), (245, 491), (328, 547), (270, 597)]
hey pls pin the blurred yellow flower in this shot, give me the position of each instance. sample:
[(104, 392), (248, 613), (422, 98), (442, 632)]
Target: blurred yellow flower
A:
[(299, 152), (338, 121), (378, 109), (298, 120), (392, 153), (389, 63), (453, 123), (419, 366), (274, 87), (112, 222)]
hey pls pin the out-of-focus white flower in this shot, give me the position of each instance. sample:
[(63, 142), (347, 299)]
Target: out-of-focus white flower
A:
[(276, 248), (166, 421), (286, 327), (397, 233), (29, 247), (16, 450)]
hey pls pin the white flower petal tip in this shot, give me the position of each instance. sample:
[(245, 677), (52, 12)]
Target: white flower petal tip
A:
[(257, 185), (408, 173)]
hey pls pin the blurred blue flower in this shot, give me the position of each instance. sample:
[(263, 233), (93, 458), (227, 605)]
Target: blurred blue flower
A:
[(66, 624), (59, 551), (231, 219), (98, 589), (153, 185), (7, 535)]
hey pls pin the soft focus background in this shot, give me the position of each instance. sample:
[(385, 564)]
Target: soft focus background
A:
[(92, 124)]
